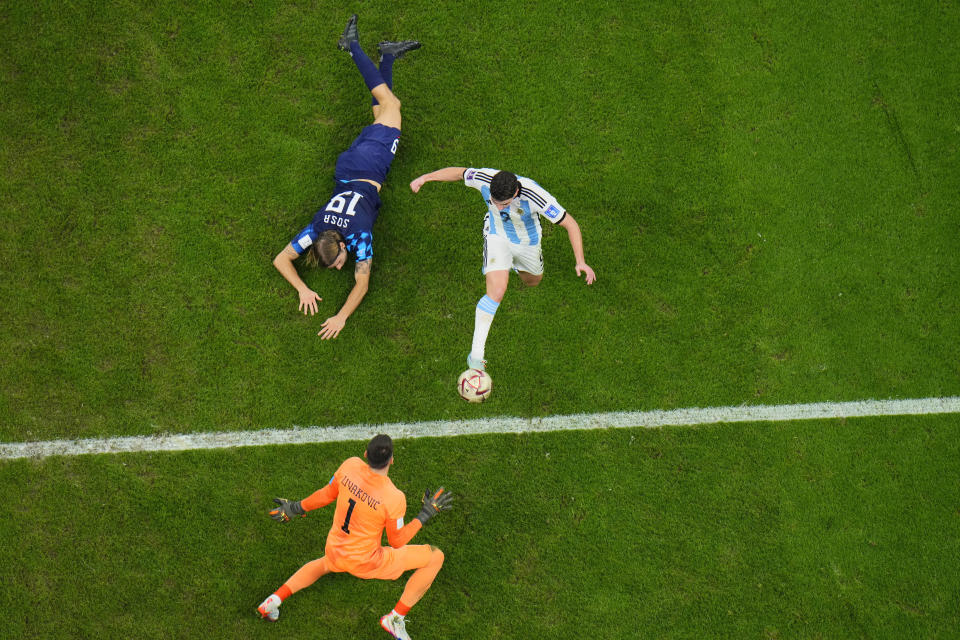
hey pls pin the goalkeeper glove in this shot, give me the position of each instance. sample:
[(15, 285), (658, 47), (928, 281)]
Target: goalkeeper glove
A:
[(433, 503), (286, 510)]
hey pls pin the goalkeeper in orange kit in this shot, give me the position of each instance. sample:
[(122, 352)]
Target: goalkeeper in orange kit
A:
[(367, 503)]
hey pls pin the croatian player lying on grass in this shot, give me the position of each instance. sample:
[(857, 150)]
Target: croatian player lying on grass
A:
[(344, 226)]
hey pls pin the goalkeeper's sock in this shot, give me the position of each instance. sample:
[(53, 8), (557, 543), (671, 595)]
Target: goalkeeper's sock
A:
[(401, 609), (386, 71), (371, 75), (483, 318), (283, 593)]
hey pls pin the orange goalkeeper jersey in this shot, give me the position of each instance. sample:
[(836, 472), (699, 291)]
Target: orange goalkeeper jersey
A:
[(367, 504)]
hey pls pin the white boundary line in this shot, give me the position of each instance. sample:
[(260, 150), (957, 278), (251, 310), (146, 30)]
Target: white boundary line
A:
[(446, 428)]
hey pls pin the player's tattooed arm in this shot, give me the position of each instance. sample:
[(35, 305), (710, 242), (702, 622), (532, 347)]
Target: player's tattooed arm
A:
[(363, 267), (332, 326)]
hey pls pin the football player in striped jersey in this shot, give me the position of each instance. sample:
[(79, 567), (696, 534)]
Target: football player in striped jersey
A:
[(511, 238)]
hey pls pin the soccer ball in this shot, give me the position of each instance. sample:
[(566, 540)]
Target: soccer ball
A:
[(474, 385)]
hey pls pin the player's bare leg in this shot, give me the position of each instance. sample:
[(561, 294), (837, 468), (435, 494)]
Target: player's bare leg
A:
[(389, 52), (497, 284), (483, 318), (387, 109)]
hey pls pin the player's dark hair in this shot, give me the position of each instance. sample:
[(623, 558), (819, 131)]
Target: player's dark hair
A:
[(379, 451), (325, 250), (504, 186)]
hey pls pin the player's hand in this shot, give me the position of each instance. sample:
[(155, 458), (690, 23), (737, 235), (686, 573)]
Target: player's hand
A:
[(308, 301), (331, 328), (584, 268), (287, 510), (433, 503), (416, 184)]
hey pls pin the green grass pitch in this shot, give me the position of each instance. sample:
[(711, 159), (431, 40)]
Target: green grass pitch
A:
[(768, 194)]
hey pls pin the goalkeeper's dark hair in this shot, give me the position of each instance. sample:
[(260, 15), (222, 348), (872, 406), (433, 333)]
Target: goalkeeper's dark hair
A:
[(379, 451), (325, 250), (504, 186)]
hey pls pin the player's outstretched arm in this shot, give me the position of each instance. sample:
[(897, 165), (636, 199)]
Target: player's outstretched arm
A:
[(576, 242), (287, 509), (284, 264), (332, 326), (450, 174)]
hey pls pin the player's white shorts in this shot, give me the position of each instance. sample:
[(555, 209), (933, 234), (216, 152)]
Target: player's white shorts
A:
[(499, 254)]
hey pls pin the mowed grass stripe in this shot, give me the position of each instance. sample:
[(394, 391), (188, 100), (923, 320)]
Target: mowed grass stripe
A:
[(447, 428)]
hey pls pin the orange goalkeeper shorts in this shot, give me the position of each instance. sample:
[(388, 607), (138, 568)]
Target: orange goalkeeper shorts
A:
[(387, 564)]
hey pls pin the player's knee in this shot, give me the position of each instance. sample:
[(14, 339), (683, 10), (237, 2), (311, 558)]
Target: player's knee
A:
[(390, 101), (437, 557), (529, 279)]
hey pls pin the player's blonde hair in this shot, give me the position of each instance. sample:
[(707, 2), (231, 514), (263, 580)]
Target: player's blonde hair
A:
[(325, 250)]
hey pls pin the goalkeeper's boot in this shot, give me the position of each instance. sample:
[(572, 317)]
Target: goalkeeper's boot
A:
[(476, 363), (269, 609), (393, 624), (349, 34), (397, 49)]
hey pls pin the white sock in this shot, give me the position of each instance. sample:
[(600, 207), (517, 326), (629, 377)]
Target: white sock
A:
[(483, 318)]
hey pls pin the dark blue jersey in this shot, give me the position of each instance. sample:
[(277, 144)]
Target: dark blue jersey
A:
[(351, 210)]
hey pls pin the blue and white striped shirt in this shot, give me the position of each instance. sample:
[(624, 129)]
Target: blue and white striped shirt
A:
[(520, 224)]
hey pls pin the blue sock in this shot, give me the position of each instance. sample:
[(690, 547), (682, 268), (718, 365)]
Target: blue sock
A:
[(386, 72), (371, 75), (487, 305), (386, 69)]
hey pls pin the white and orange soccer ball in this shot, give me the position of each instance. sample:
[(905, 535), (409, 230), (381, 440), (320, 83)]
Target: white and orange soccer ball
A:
[(474, 385)]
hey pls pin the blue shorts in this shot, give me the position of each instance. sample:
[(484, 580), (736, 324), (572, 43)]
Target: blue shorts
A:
[(370, 155)]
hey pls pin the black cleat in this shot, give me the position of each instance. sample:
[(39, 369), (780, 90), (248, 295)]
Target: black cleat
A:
[(397, 49), (349, 34)]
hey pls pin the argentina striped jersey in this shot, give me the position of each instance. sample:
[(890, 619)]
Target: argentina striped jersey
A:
[(520, 224)]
